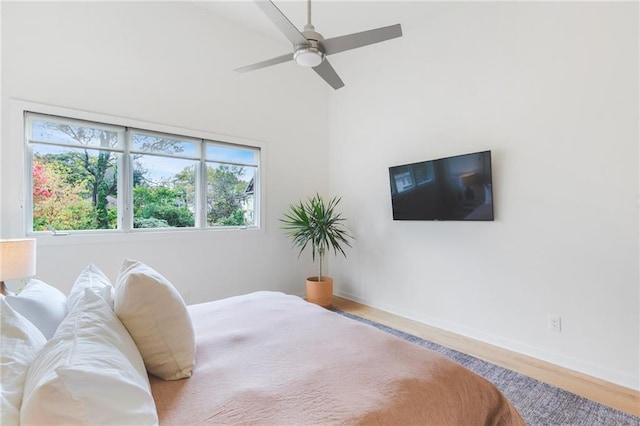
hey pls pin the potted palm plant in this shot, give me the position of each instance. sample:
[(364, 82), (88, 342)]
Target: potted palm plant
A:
[(316, 224)]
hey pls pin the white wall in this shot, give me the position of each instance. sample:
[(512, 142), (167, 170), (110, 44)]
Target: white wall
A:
[(552, 90), (168, 63)]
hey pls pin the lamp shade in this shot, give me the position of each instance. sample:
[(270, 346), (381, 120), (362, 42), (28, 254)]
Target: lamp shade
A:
[(17, 259)]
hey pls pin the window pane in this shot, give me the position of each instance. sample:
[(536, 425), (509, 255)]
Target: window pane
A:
[(163, 192), (230, 195), (231, 154), (423, 172), (73, 134), (74, 189), (403, 179), (163, 145)]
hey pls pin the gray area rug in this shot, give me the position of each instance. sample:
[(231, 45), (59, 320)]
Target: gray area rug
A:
[(537, 402)]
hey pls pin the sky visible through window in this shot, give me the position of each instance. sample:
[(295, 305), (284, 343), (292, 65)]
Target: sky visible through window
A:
[(158, 167)]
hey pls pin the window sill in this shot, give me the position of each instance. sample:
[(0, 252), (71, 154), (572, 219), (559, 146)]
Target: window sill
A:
[(111, 237)]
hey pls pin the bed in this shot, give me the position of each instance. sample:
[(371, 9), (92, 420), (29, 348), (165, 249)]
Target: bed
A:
[(270, 358), (136, 354)]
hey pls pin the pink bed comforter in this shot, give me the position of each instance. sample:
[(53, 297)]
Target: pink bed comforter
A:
[(273, 359)]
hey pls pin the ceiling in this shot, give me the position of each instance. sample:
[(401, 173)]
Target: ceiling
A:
[(331, 18)]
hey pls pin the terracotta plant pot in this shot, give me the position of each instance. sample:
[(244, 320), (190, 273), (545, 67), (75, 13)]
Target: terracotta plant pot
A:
[(320, 292)]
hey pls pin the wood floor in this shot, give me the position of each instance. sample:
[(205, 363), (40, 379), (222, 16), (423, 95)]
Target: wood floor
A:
[(612, 395)]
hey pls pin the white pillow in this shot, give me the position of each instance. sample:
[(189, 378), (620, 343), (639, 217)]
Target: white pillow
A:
[(91, 277), (157, 318), (90, 372), (44, 305), (20, 342)]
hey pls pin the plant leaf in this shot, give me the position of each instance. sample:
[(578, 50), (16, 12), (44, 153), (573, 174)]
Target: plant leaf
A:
[(316, 224)]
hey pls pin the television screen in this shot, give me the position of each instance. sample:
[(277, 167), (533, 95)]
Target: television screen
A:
[(452, 188)]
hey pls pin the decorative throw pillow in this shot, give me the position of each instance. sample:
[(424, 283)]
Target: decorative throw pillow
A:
[(20, 342), (42, 304), (90, 372), (157, 318), (91, 277)]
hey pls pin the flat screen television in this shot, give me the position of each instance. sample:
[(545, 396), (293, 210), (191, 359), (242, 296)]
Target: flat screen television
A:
[(452, 188)]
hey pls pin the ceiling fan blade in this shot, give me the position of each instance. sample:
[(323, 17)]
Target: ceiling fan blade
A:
[(282, 22), (364, 38), (326, 71), (267, 63)]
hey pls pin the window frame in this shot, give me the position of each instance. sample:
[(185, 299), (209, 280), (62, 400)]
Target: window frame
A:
[(197, 225), (26, 112)]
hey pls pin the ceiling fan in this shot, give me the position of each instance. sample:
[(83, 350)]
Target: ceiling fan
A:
[(310, 48)]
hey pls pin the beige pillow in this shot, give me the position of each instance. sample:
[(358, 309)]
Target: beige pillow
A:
[(157, 318), (20, 343), (89, 373)]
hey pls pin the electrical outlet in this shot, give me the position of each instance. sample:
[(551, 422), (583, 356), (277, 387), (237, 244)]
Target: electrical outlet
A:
[(554, 322)]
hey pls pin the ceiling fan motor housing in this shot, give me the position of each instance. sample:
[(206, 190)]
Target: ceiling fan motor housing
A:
[(312, 54)]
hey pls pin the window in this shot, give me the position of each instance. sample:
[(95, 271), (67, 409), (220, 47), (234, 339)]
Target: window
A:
[(230, 174), (164, 180), (89, 176), (403, 180), (423, 172), (406, 178)]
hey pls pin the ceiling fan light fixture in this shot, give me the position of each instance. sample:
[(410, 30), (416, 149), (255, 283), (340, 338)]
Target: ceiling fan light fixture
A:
[(309, 56)]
